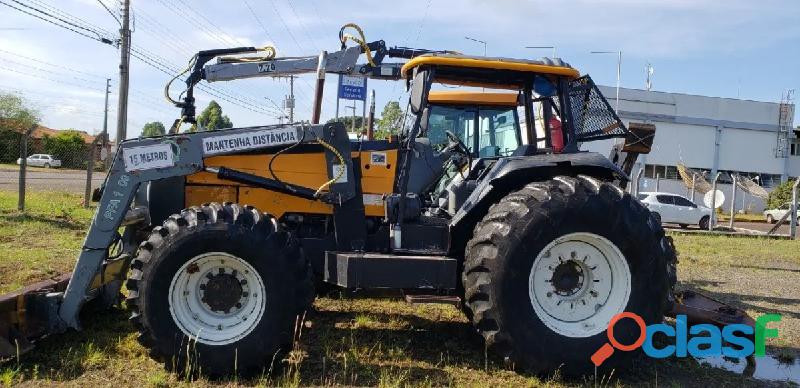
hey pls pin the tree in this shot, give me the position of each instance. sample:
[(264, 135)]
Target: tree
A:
[(212, 118), (16, 117), (780, 195), (156, 128), (390, 119), (68, 146), (348, 123)]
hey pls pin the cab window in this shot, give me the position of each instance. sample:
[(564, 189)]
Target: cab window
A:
[(485, 132), (498, 132)]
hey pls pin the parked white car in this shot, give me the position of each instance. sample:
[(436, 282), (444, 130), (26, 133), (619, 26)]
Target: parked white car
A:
[(676, 209), (773, 215), (41, 160)]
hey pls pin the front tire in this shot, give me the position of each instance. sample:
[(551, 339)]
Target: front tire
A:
[(551, 264), (217, 290), (703, 224)]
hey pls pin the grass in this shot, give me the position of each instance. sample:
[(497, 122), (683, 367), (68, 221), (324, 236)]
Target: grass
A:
[(746, 217), (372, 342), (41, 242)]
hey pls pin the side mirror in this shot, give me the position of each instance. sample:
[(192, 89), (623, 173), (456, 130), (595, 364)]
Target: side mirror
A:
[(501, 121), (418, 95)]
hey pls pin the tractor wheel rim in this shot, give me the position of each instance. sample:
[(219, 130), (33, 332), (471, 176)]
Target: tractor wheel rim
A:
[(577, 283), (217, 298)]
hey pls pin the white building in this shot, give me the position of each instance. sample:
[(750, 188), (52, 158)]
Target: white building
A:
[(710, 134)]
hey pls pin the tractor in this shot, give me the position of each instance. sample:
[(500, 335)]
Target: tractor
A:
[(482, 198)]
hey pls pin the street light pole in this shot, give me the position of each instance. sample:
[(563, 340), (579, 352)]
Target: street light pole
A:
[(619, 68), (478, 41), (544, 47)]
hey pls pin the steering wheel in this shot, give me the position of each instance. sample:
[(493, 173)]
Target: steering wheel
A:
[(456, 143)]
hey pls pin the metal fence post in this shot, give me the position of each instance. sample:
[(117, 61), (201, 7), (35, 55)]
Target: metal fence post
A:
[(713, 219), (733, 202), (793, 214), (87, 195), (658, 181), (694, 180), (636, 182), (23, 164)]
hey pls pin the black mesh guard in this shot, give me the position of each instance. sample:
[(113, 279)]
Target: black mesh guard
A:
[(592, 116)]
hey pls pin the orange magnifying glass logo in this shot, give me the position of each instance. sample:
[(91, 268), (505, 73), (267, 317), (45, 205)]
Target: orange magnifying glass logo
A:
[(605, 351)]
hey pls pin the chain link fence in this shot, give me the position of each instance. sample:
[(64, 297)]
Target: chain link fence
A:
[(43, 160)]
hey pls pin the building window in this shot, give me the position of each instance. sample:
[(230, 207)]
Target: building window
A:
[(794, 147)]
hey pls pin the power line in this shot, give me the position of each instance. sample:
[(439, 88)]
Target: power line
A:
[(27, 66), (166, 70), (50, 79), (109, 11), (52, 64), (258, 20), (302, 25), (71, 17), (56, 17), (99, 39), (167, 38)]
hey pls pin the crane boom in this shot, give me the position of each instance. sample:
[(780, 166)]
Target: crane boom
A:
[(344, 61)]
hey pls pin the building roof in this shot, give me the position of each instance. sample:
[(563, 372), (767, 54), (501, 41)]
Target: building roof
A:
[(42, 131), (472, 98)]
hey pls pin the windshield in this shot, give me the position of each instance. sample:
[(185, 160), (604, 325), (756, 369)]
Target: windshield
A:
[(497, 134)]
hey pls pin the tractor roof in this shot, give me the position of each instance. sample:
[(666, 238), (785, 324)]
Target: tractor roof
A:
[(488, 71), (473, 98)]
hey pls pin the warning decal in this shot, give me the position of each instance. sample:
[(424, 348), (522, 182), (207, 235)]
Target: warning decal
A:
[(148, 157), (244, 141)]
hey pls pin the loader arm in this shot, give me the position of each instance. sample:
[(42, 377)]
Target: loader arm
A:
[(45, 309)]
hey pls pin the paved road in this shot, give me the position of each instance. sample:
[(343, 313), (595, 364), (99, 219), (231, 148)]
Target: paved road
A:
[(57, 180)]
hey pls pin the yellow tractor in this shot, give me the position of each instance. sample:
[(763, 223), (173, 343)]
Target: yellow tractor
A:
[(483, 199)]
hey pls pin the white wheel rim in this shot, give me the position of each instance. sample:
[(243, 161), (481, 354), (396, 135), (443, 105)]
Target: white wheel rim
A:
[(577, 283), (204, 321)]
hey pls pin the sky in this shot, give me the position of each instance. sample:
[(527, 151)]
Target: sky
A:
[(735, 48)]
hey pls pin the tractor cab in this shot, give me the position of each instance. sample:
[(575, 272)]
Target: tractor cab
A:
[(501, 116)]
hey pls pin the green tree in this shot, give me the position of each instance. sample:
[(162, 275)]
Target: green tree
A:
[(390, 120), (780, 195), (212, 118), (16, 117), (68, 146), (156, 128), (348, 123)]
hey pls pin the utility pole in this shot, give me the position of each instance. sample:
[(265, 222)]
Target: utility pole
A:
[(353, 123), (107, 155), (288, 104), (371, 117), (124, 64)]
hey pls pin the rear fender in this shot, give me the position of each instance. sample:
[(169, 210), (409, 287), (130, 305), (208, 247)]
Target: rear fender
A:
[(512, 173)]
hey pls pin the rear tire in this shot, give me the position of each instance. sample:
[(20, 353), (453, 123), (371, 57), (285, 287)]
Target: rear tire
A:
[(510, 263), (198, 279)]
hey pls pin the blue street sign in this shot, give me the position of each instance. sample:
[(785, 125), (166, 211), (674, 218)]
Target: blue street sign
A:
[(352, 87)]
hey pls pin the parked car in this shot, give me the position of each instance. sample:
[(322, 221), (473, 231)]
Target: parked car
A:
[(673, 208), (773, 215), (41, 160)]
